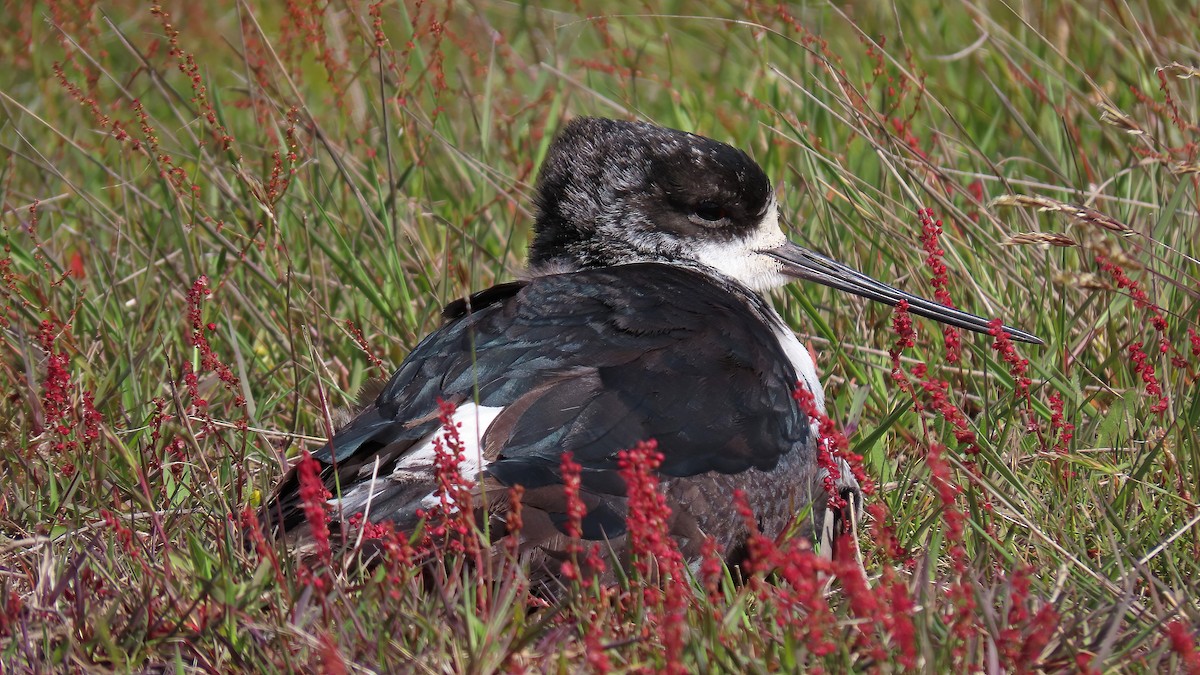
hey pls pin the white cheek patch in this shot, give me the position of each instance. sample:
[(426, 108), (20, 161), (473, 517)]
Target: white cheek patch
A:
[(740, 259), (418, 464)]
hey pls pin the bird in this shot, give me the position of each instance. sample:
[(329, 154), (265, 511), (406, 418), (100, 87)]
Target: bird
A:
[(643, 315)]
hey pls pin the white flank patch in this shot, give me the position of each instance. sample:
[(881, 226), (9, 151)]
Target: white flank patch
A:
[(740, 259), (472, 421)]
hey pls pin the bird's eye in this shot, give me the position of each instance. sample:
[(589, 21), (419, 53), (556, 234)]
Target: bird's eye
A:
[(709, 213)]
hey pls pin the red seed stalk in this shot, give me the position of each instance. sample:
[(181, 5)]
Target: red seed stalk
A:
[(124, 534), (313, 496), (455, 522), (899, 623), (960, 614), (657, 561), (56, 388), (1017, 367), (1062, 430), (931, 232), (832, 444), (362, 343), (10, 612), (70, 425), (862, 601), (576, 511), (514, 522), (1018, 613), (186, 63), (1183, 642), (597, 657), (1061, 433), (398, 561), (799, 600), (1021, 642), (1143, 367), (253, 529), (198, 338), (712, 571), (1037, 636), (938, 393)]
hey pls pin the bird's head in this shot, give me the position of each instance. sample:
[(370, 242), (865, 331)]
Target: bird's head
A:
[(613, 192)]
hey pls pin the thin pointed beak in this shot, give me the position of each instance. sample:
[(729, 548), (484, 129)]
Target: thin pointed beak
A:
[(802, 263)]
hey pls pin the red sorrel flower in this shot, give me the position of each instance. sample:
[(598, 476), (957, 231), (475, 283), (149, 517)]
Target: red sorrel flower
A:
[(656, 558), (10, 612), (597, 658), (831, 445), (902, 326), (514, 521), (361, 341), (931, 232), (938, 392), (1017, 367), (711, 571), (1037, 636), (854, 585), (209, 360), (1018, 613), (1141, 299), (899, 617), (1063, 430), (124, 534), (313, 496), (398, 558), (455, 519), (576, 510), (254, 532), (1143, 367), (884, 534), (800, 599), (69, 420), (56, 399), (1183, 643)]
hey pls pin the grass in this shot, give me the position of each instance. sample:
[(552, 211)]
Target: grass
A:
[(335, 172)]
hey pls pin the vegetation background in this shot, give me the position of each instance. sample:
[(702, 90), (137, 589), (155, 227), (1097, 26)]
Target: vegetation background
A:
[(221, 218)]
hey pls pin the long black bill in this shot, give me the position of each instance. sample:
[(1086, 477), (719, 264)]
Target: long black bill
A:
[(802, 263)]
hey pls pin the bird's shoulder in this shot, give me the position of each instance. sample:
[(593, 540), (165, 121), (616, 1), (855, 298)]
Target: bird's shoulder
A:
[(591, 362)]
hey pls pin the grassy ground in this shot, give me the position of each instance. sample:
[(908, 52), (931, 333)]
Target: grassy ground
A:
[(221, 219)]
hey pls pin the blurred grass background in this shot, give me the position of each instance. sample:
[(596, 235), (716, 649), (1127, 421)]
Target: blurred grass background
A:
[(337, 171)]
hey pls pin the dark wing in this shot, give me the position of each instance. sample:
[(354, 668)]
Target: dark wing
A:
[(592, 362)]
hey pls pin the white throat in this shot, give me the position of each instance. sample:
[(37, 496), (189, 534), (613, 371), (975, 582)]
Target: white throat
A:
[(741, 259)]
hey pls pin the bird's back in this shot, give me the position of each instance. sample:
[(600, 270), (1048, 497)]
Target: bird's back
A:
[(588, 362)]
